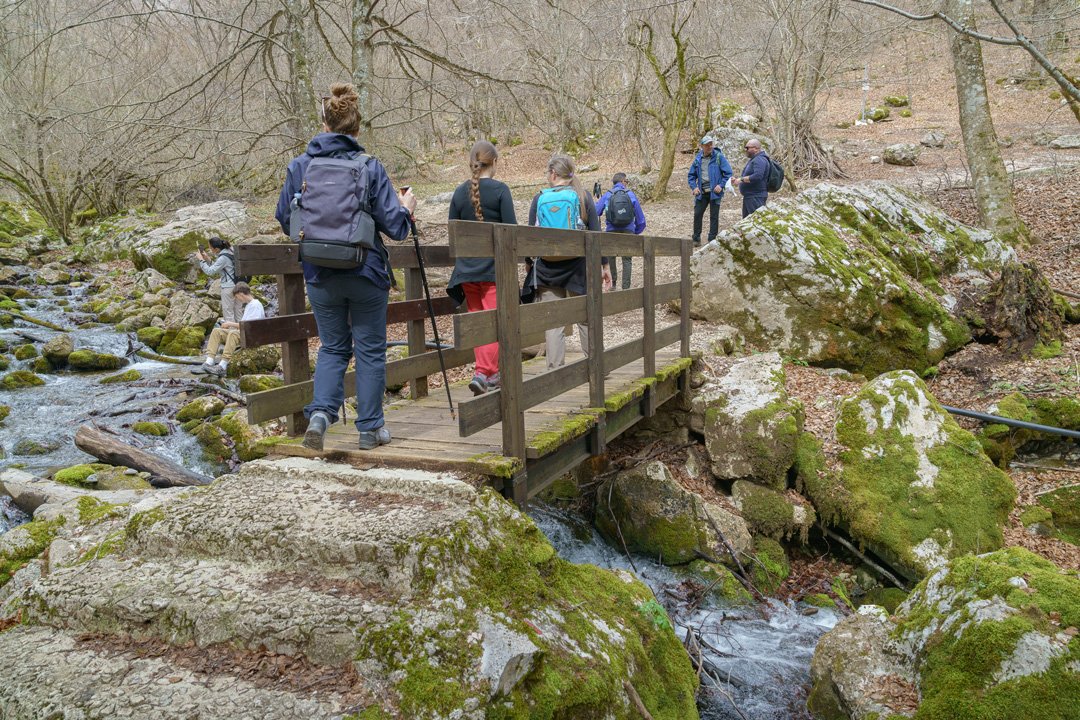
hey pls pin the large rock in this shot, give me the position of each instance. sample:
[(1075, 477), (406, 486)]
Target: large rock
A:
[(933, 139), (188, 311), (906, 154), (410, 591), (150, 281), (919, 490), (993, 635), (830, 277), (646, 508), (773, 513), (1066, 142), (57, 349), (749, 422), (13, 255), (170, 248), (731, 142), (252, 361)]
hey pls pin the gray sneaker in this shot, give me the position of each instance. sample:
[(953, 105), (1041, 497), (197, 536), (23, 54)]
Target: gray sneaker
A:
[(371, 439), (493, 382), (201, 369), (479, 384), (317, 424), (216, 370)]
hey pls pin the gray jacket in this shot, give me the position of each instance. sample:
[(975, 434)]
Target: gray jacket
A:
[(224, 266)]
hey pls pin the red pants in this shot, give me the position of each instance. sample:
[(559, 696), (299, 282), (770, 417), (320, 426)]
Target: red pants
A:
[(481, 296)]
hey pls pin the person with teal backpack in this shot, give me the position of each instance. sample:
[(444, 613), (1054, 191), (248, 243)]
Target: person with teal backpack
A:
[(564, 205)]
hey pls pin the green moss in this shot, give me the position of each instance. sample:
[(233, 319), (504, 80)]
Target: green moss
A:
[(20, 379), (129, 376), (153, 429), (1045, 352), (17, 221), (41, 366), (183, 341), (91, 510), (770, 513), (496, 465), (26, 352), (259, 383), (177, 258), (962, 509), (150, 336), (1034, 514), (1064, 507), (552, 437), (141, 521), (820, 600), (5, 410), (770, 566), (35, 536), (90, 360), (888, 598), (721, 583), (4, 363), (77, 474), (200, 408)]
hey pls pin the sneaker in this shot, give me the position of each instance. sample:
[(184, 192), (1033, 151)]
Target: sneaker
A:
[(371, 439), (384, 436), (216, 370), (493, 382), (317, 424), (479, 384), (203, 369)]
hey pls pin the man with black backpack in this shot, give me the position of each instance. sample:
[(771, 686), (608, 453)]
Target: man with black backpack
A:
[(759, 176), (622, 214)]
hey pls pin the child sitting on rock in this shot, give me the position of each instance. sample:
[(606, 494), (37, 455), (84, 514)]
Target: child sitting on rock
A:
[(229, 333)]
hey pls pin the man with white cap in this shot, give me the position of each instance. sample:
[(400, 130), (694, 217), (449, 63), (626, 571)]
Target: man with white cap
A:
[(707, 176)]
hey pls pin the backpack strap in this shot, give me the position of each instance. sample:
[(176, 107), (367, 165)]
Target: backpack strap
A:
[(231, 274)]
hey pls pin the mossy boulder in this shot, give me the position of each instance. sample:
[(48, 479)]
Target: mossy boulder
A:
[(896, 100), (877, 113), (201, 408), (24, 543), (829, 277), (4, 362), (5, 410), (886, 597), (646, 508), (987, 636), (903, 154), (35, 447), (57, 349), (188, 311), (153, 429), (150, 336), (750, 424), (151, 281), (918, 488), (1001, 442), (124, 377), (770, 565), (253, 361), (258, 383), (18, 221), (26, 352), (722, 585), (1064, 507), (90, 360), (181, 341), (20, 379), (41, 366), (438, 595), (770, 512), (170, 249), (76, 475)]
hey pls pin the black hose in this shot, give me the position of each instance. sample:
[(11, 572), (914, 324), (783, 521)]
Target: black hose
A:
[(431, 313), (401, 343), (1074, 434)]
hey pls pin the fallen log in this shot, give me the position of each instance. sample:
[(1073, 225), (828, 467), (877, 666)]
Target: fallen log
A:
[(166, 359), (35, 321), (113, 451)]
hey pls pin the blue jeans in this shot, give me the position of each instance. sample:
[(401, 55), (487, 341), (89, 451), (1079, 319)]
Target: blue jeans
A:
[(351, 314)]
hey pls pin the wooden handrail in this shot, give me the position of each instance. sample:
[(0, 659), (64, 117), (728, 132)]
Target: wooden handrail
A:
[(283, 258), (475, 239)]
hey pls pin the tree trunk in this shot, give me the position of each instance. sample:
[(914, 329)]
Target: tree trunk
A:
[(363, 64), (114, 451), (1038, 11), (305, 115), (993, 189), (673, 125)]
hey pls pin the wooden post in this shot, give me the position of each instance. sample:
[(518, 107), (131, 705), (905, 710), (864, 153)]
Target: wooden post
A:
[(649, 308), (294, 354), (414, 290), (508, 327), (684, 315), (594, 313)]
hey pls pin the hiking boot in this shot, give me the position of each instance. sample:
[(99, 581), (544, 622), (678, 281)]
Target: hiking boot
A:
[(493, 382), (203, 369), (371, 439), (317, 424), (479, 384)]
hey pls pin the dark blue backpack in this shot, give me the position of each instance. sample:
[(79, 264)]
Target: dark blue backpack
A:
[(331, 215), (620, 209)]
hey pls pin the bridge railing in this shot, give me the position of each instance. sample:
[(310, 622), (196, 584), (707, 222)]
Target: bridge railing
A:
[(514, 326), (293, 326)]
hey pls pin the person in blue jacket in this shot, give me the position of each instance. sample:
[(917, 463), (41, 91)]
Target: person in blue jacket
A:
[(754, 176), (349, 305), (708, 186), (618, 182)]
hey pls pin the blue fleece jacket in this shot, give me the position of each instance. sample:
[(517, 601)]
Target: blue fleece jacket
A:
[(390, 217), (639, 216), (718, 173), (754, 176)]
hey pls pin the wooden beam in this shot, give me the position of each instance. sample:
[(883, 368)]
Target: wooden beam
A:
[(295, 364), (414, 288), (286, 328), (470, 239), (271, 404), (484, 411), (507, 323), (649, 347), (284, 258), (594, 311), (684, 303)]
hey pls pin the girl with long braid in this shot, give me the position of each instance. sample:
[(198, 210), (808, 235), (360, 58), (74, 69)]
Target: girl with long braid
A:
[(473, 281)]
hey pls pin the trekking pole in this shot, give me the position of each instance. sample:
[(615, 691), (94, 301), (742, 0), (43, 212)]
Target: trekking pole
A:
[(431, 313)]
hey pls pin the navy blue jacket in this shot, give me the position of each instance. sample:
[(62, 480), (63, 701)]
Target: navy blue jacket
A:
[(719, 172), (754, 175), (390, 217), (639, 216)]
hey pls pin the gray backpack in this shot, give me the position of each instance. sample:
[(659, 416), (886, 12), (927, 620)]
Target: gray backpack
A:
[(331, 215)]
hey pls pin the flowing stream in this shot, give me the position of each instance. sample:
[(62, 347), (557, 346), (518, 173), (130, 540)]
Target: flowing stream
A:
[(765, 651), (50, 415)]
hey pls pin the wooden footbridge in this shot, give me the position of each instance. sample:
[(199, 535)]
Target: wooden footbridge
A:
[(540, 424)]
